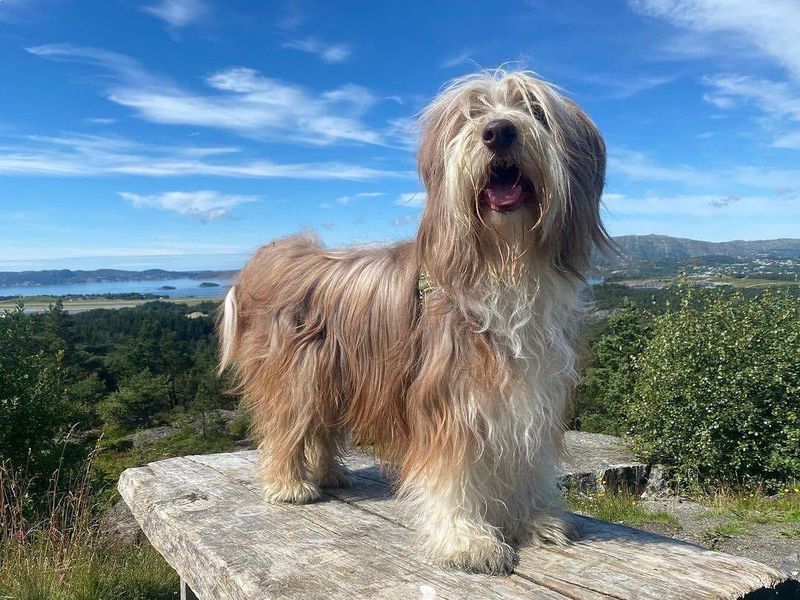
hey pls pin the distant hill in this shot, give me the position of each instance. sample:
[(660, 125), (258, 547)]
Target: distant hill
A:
[(655, 247), (635, 247), (65, 276)]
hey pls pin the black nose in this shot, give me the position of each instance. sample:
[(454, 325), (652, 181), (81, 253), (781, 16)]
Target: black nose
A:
[(498, 135)]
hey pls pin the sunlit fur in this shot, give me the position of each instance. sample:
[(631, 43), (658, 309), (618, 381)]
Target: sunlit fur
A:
[(464, 391)]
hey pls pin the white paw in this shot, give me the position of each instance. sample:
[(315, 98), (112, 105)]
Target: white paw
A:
[(480, 555), (294, 492)]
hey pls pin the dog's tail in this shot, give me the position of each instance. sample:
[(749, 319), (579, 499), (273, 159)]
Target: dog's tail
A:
[(228, 330)]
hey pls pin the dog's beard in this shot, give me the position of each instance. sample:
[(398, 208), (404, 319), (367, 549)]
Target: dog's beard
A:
[(509, 200), (505, 200)]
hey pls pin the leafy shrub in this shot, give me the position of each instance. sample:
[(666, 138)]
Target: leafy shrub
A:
[(239, 428), (32, 397), (138, 400), (717, 389), (609, 379)]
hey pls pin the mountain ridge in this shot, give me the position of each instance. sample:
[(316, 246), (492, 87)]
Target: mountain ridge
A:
[(67, 276), (655, 247), (634, 248)]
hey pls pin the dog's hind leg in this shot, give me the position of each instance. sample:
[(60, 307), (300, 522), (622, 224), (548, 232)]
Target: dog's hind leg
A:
[(283, 473), (287, 423), (324, 455)]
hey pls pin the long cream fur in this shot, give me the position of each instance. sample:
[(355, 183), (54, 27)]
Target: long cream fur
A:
[(464, 390)]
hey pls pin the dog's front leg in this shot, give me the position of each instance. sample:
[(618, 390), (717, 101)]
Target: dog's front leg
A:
[(448, 506)]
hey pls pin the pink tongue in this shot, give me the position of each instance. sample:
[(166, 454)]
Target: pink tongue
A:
[(504, 196)]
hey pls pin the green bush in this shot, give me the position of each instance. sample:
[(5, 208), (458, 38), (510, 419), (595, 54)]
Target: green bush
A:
[(717, 389), (138, 400), (610, 376), (32, 397)]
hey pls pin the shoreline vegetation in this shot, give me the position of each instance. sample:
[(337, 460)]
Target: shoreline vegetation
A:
[(88, 302)]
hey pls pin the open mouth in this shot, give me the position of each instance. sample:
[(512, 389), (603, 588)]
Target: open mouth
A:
[(507, 189)]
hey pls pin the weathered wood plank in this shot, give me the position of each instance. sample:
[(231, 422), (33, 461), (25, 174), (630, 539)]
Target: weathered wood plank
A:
[(205, 515), (186, 592), (609, 560)]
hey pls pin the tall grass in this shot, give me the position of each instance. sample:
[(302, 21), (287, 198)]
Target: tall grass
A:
[(51, 547)]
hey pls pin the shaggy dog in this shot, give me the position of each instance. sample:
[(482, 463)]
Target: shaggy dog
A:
[(452, 355)]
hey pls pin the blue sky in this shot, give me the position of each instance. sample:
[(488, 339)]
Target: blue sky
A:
[(185, 133)]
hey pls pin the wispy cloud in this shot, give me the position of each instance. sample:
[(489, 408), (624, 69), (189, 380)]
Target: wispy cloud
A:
[(21, 11), (124, 67), (92, 156), (359, 196), (206, 205), (412, 199), (404, 221), (702, 205), (101, 120), (620, 88), (640, 167), (330, 53), (461, 58), (788, 140), (770, 26), (179, 13), (778, 101), (240, 100), (720, 202), (767, 30)]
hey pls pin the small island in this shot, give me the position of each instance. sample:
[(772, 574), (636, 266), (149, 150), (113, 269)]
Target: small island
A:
[(209, 284), (167, 287)]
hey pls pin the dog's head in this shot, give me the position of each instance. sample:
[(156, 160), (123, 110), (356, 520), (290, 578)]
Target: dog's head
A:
[(510, 163)]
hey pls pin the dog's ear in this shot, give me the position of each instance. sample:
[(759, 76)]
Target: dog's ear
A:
[(430, 156), (445, 241), (583, 232)]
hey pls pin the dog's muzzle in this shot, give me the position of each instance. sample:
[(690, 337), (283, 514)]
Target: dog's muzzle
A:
[(507, 189), (498, 135)]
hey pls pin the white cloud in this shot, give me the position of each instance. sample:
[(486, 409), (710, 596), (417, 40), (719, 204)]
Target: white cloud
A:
[(355, 197), (412, 199), (404, 220), (770, 26), (637, 166), (120, 65), (206, 205), (25, 11), (777, 102), (779, 99), (88, 156), (768, 29), (242, 100), (178, 13), (621, 88), (788, 140), (330, 53), (461, 58), (702, 206)]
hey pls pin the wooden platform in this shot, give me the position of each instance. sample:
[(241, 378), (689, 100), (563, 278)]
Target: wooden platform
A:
[(204, 514)]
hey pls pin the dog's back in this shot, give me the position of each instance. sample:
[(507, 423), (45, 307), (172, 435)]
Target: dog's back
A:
[(318, 332)]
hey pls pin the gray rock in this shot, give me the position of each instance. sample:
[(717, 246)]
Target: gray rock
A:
[(595, 462), (119, 527), (145, 437), (656, 486), (791, 564)]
